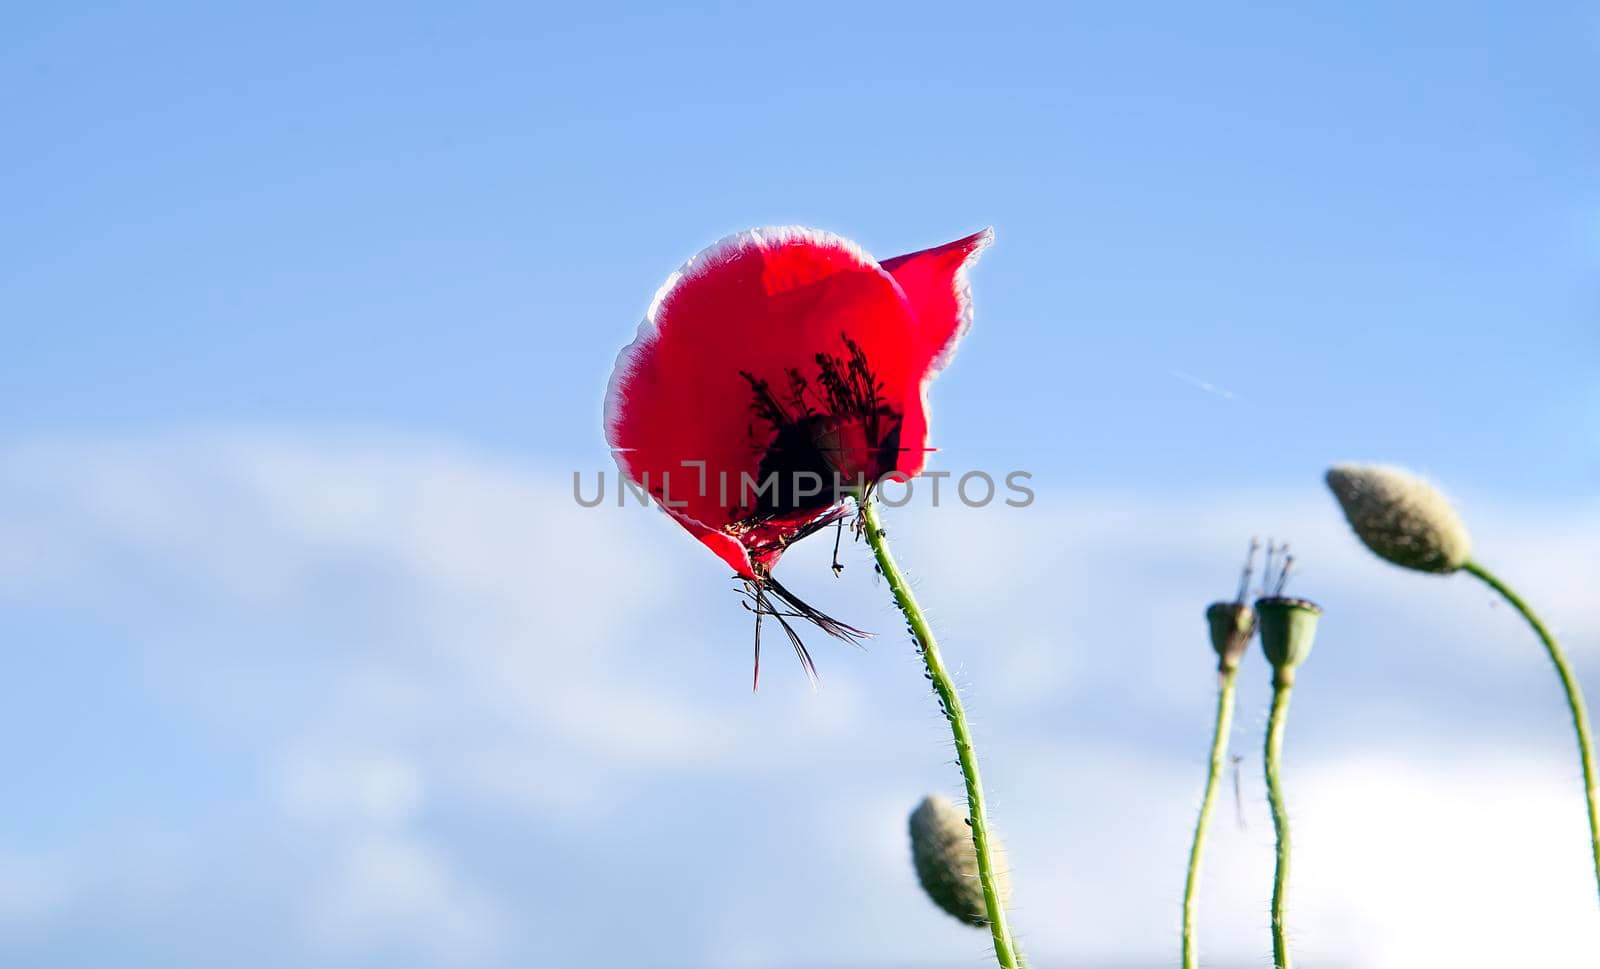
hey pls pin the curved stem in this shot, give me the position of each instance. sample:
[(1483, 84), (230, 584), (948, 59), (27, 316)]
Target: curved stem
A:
[(1219, 752), (1282, 683), (1580, 712), (944, 685)]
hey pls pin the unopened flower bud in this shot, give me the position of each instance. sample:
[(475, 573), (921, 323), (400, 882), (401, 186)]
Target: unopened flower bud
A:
[(1400, 517), (1288, 627), (947, 863), (1232, 624)]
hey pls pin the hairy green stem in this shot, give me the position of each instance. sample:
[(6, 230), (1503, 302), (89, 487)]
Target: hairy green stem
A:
[(1219, 753), (1282, 683), (945, 687), (1580, 711)]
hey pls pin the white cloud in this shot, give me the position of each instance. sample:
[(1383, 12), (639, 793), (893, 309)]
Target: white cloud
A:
[(376, 883), (34, 890), (1477, 862), (376, 789), (442, 661), (1398, 862), (389, 892)]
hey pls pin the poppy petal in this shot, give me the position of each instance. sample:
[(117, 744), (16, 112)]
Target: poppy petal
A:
[(736, 337), (935, 283)]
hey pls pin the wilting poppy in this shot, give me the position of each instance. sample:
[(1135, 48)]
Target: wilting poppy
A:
[(776, 373)]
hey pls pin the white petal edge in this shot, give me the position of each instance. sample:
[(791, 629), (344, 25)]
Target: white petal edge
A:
[(963, 287)]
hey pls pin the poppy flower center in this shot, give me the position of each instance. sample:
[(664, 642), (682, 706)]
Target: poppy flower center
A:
[(834, 431)]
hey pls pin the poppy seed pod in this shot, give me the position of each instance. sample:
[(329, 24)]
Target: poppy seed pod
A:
[(1287, 628), (1400, 517), (1232, 624), (947, 863)]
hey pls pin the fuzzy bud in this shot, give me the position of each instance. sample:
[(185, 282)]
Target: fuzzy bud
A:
[(947, 863), (1400, 517), (1288, 627), (1232, 624)]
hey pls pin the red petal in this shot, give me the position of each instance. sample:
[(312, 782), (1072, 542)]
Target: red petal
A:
[(760, 307), (935, 283)]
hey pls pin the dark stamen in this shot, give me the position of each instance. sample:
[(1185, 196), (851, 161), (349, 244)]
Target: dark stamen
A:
[(1283, 576), (1249, 568), (755, 676)]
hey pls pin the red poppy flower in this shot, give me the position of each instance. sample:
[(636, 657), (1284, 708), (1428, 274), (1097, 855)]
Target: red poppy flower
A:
[(776, 373)]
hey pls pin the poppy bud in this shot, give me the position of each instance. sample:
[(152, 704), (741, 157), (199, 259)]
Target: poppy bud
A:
[(1400, 517), (947, 863), (1232, 624), (1287, 628)]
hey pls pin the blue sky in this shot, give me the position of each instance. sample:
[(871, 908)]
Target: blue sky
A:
[(308, 315)]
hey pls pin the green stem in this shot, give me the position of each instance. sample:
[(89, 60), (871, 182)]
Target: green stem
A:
[(1219, 752), (944, 685), (1580, 712), (1282, 683)]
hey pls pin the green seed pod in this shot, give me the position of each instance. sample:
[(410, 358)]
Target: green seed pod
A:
[(1287, 628), (1232, 625), (1400, 517), (947, 864)]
